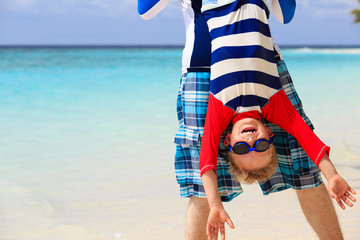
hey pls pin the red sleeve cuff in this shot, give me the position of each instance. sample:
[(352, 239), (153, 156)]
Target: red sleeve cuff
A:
[(324, 150), (206, 168)]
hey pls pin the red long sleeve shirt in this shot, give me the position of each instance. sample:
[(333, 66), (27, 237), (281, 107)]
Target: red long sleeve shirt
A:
[(278, 110)]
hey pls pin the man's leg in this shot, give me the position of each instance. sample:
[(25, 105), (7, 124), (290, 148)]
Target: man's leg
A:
[(320, 213), (196, 219)]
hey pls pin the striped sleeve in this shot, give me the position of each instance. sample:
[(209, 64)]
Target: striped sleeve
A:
[(147, 9), (283, 10)]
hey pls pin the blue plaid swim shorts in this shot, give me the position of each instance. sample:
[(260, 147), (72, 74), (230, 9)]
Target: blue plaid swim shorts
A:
[(192, 104), (295, 169)]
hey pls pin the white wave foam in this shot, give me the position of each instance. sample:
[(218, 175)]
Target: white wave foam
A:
[(327, 50)]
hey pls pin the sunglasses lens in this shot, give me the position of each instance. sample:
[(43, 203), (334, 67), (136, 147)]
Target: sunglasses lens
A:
[(240, 149), (262, 146)]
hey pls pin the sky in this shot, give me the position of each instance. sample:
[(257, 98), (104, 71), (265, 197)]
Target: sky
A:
[(116, 22)]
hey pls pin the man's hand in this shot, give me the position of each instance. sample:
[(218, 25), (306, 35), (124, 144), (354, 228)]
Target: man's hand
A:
[(217, 218), (340, 190)]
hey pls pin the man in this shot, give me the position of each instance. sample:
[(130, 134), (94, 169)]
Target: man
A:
[(295, 170)]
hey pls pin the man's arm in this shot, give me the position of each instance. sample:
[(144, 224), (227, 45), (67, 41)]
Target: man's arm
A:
[(148, 9), (283, 10)]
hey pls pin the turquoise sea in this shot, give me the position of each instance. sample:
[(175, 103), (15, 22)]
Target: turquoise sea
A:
[(86, 146)]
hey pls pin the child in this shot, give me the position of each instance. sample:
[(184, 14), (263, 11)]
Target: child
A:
[(244, 88)]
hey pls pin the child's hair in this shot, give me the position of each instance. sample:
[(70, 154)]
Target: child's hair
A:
[(259, 175)]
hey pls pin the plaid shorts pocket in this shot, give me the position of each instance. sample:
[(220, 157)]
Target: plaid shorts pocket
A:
[(192, 103)]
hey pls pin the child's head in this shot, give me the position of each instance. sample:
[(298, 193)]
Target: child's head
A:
[(250, 165)]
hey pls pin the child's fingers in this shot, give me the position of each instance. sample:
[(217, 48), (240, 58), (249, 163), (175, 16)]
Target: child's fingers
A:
[(212, 235), (338, 200), (229, 222), (216, 233), (351, 197), (351, 190), (345, 200), (209, 231), (222, 233)]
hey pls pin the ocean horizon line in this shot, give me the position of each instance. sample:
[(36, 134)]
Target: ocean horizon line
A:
[(175, 46)]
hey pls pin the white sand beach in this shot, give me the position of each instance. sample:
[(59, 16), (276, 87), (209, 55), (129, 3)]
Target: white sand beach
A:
[(150, 208), (256, 217)]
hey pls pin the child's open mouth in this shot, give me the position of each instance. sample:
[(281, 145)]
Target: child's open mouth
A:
[(249, 130)]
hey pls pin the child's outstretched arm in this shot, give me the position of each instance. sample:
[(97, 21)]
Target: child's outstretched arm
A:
[(218, 216), (338, 188), (281, 112)]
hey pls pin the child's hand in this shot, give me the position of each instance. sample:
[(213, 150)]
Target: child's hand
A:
[(340, 190), (216, 221)]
